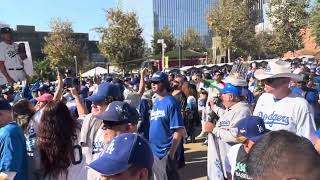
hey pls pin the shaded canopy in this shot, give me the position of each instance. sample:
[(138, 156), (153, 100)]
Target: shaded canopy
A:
[(95, 71)]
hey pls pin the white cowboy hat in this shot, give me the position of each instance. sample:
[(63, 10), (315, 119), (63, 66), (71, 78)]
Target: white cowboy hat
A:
[(236, 81), (277, 69)]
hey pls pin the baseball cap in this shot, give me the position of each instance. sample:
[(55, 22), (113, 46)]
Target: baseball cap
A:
[(251, 127), (119, 111), (44, 87), (124, 151), (45, 97), (104, 90), (6, 30), (126, 79), (318, 133), (4, 104), (231, 89), (159, 77), (135, 81)]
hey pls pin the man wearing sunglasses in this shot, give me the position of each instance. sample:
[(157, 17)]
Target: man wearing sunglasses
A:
[(166, 128), (92, 136), (278, 106), (119, 118), (128, 157)]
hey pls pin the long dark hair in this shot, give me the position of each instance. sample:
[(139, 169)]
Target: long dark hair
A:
[(56, 137)]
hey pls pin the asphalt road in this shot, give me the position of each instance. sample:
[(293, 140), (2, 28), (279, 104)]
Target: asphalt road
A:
[(196, 161)]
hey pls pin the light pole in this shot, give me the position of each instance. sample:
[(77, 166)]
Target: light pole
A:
[(206, 53), (179, 44), (163, 45), (76, 62)]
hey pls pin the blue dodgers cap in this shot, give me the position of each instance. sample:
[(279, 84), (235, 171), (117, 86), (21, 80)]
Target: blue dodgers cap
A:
[(159, 77), (124, 151), (231, 89), (44, 88), (119, 111), (104, 90), (4, 104), (135, 81), (251, 127), (318, 133)]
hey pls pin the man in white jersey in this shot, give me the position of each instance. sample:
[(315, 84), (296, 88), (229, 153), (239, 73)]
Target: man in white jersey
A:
[(281, 109), (11, 65)]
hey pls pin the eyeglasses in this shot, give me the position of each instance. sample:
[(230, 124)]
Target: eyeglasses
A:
[(111, 125), (97, 104)]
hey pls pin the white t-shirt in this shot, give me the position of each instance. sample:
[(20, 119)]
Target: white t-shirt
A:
[(231, 159), (93, 88), (292, 113), (98, 147)]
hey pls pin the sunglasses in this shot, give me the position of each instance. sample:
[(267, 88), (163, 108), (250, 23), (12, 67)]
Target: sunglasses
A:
[(271, 80), (111, 125), (155, 82), (97, 104)]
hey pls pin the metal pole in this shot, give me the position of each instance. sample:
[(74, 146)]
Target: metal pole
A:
[(162, 56), (76, 62), (179, 56)]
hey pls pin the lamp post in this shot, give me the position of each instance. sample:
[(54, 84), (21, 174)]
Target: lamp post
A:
[(206, 53), (76, 62), (179, 44), (163, 45)]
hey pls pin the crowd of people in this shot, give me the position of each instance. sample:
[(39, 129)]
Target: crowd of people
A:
[(258, 123)]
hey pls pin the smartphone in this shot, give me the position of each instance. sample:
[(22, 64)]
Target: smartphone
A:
[(68, 82)]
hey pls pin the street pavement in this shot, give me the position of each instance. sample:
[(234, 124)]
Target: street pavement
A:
[(196, 161)]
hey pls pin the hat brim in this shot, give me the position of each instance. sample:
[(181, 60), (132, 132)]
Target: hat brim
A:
[(235, 81), (108, 167), (107, 116), (155, 80), (261, 74), (256, 138), (96, 98)]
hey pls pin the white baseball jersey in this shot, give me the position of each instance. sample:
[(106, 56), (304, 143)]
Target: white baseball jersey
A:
[(12, 61), (291, 113)]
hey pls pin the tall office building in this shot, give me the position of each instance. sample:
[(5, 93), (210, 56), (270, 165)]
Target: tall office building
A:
[(179, 15)]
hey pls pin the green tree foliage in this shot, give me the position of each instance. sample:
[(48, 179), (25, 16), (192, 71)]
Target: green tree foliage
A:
[(288, 18), (165, 34), (61, 46), (315, 23), (42, 71), (122, 40), (192, 40), (234, 21), (267, 46)]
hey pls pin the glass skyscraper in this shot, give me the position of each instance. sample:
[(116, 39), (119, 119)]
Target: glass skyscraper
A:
[(180, 15)]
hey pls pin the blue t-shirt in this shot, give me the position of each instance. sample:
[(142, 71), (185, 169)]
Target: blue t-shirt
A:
[(297, 90), (13, 155), (165, 118)]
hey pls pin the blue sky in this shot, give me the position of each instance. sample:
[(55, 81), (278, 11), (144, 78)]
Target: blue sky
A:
[(84, 14)]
